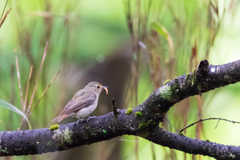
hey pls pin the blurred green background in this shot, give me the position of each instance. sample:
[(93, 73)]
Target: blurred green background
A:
[(132, 46)]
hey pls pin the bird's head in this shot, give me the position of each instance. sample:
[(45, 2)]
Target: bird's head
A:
[(96, 87)]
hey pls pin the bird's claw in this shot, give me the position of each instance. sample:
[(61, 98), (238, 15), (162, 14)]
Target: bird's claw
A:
[(80, 120), (85, 119), (90, 118)]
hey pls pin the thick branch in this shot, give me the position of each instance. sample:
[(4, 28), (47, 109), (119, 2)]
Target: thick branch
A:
[(192, 84), (192, 146), (68, 136), (143, 121)]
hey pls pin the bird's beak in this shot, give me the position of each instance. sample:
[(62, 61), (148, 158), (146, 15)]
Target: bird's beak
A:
[(105, 87)]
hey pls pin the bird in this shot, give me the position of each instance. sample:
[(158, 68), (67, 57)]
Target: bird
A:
[(83, 103)]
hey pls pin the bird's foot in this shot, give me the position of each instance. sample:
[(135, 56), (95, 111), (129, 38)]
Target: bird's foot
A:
[(85, 119), (90, 118), (82, 120)]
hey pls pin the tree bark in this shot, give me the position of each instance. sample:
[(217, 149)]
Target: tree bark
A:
[(143, 121)]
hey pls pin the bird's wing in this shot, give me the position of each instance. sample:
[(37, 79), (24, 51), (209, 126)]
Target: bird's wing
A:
[(79, 93), (80, 100)]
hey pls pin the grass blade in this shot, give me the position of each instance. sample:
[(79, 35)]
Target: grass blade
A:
[(163, 32), (19, 81), (3, 10), (5, 16), (26, 93), (38, 76), (7, 105), (46, 89)]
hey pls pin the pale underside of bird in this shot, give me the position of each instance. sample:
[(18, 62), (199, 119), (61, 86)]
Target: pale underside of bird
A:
[(83, 103)]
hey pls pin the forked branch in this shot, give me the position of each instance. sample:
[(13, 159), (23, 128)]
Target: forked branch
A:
[(143, 121)]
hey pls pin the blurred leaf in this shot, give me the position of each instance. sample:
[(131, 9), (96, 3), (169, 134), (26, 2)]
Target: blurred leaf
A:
[(160, 29), (7, 105), (163, 32)]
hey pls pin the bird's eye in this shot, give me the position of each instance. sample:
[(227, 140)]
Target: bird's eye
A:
[(98, 87)]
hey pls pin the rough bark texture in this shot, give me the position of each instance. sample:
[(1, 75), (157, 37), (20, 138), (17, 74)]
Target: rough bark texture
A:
[(142, 121)]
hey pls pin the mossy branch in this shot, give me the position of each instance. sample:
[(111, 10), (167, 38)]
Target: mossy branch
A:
[(144, 122)]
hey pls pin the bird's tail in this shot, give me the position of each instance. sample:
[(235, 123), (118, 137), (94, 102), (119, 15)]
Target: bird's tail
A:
[(59, 118)]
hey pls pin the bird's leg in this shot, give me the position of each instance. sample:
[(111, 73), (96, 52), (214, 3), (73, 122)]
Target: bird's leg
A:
[(90, 118), (80, 120), (86, 119), (83, 119)]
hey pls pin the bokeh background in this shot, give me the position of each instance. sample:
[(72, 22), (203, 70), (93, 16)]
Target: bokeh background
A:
[(132, 46)]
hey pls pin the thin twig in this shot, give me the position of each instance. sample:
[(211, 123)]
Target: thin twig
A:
[(18, 76), (26, 93), (5, 16), (38, 76), (217, 124), (3, 10), (115, 112), (45, 90), (200, 120)]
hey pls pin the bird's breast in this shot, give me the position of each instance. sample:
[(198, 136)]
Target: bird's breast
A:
[(87, 110)]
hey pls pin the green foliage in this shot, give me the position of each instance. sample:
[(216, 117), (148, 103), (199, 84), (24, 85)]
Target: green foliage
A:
[(160, 29), (8, 106), (83, 37)]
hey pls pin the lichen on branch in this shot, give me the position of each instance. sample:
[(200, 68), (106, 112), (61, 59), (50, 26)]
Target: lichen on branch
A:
[(143, 120)]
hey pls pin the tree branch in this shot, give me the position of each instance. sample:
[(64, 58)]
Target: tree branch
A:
[(192, 146), (143, 121)]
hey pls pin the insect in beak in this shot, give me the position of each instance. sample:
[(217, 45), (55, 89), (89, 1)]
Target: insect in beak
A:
[(105, 87)]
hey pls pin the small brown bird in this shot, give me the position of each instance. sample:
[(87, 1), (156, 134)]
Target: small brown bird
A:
[(83, 103)]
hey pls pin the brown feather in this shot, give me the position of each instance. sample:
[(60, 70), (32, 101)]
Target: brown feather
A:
[(76, 104), (81, 99), (59, 118)]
